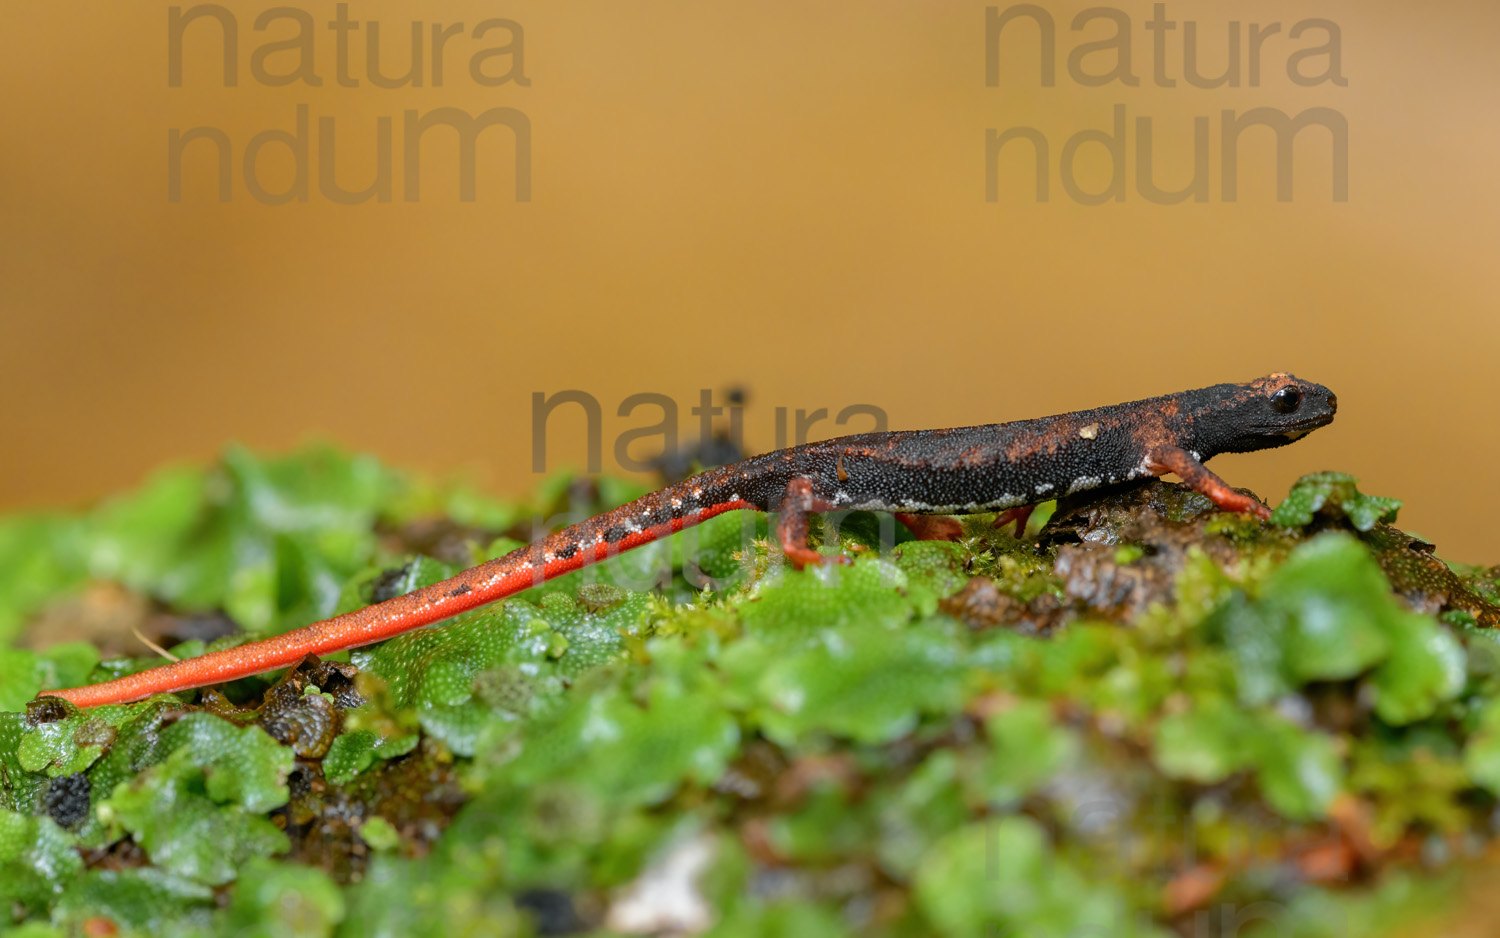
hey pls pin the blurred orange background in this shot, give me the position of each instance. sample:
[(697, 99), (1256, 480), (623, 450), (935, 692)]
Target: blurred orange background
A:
[(789, 197)]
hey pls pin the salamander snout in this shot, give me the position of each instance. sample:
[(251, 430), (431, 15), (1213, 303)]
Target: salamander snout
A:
[(1333, 403)]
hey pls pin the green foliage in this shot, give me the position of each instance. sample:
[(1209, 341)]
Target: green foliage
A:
[(1328, 614), (199, 813), (867, 684), (24, 674), (1002, 877), (354, 752), (269, 540), (1414, 780), (1028, 749), (1333, 493), (629, 746), (802, 604), (41, 557), (433, 898), (21, 787), (1482, 757), (36, 858), (273, 900), (71, 744), (1204, 744), (1299, 772), (500, 663), (379, 834), (148, 900), (801, 918), (184, 831), (240, 765), (861, 754), (416, 573)]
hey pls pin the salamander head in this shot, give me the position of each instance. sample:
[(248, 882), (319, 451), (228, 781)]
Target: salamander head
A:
[(1271, 411)]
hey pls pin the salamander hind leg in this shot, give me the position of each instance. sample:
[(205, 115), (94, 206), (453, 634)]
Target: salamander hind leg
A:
[(1197, 477), (800, 501), (931, 527), (1021, 515)]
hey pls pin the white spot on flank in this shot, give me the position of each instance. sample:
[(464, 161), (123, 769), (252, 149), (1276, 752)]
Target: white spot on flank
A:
[(1084, 482), (1089, 432), (928, 508), (1044, 488)]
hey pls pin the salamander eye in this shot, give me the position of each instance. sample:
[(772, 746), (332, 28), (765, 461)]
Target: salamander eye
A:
[(1287, 400)]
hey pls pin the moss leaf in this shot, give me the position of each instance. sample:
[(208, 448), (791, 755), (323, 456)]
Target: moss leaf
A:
[(356, 751), (185, 831), (1205, 744), (1334, 493)]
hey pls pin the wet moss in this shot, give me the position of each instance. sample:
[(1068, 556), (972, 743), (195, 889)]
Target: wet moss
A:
[(1143, 715)]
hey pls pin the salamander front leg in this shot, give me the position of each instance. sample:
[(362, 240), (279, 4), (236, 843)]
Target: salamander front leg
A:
[(791, 527), (1197, 477)]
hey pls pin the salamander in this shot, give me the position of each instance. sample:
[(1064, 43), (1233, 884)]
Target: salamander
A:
[(1004, 467)]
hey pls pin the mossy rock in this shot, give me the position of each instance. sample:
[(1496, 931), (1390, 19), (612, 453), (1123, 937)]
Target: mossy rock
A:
[(1077, 730)]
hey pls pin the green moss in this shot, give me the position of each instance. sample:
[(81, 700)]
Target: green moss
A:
[(1028, 749), (41, 557), (146, 900), (1003, 877), (1205, 744), (628, 748), (1336, 494), (1328, 614), (272, 900), (1046, 735), (794, 609), (198, 814), (24, 674), (354, 752), (863, 683), (36, 860), (71, 744)]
